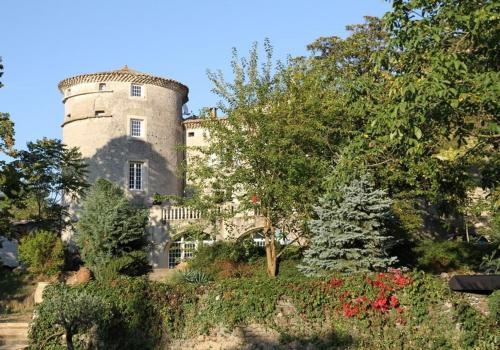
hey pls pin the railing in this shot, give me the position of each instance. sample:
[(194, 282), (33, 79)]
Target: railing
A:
[(180, 213), (174, 213)]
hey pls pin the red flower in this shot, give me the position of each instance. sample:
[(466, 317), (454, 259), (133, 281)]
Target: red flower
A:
[(350, 311), (334, 282), (394, 301), (401, 281)]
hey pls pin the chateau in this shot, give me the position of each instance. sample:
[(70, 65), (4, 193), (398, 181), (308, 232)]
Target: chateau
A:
[(128, 125)]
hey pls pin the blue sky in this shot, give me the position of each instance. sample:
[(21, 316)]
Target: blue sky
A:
[(46, 41)]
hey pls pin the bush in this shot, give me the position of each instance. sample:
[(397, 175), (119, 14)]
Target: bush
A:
[(133, 264), (236, 252), (42, 252), (439, 256)]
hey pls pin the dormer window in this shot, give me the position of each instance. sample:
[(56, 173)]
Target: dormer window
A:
[(102, 86), (136, 90)]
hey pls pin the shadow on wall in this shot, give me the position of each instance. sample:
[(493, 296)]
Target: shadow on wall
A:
[(112, 163)]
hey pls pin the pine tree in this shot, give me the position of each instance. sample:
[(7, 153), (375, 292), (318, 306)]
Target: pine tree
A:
[(109, 226), (350, 234)]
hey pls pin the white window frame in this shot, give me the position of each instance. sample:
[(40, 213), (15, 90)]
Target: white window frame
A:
[(143, 121), (132, 183), (183, 250), (132, 91), (135, 124)]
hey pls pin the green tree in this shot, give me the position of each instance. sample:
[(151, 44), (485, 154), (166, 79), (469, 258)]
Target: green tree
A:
[(266, 153), (109, 226), (350, 233), (6, 126), (71, 309), (10, 186), (443, 102), (418, 91), (52, 172)]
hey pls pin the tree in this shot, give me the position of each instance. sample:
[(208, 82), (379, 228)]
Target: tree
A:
[(350, 233), (10, 186), (74, 310), (6, 126), (109, 226), (267, 153), (51, 171), (418, 93)]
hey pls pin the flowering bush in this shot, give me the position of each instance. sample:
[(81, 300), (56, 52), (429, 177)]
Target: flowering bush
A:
[(378, 295)]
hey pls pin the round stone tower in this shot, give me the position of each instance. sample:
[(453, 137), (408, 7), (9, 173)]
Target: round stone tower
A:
[(128, 125)]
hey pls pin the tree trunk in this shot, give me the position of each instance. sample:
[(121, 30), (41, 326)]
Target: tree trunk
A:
[(271, 257), (69, 340)]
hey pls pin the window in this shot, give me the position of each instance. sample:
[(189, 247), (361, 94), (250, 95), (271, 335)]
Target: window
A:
[(183, 250), (135, 176), (68, 115), (102, 86), (136, 90), (136, 127), (99, 113), (191, 134)]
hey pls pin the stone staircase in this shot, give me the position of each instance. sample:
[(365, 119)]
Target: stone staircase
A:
[(14, 332)]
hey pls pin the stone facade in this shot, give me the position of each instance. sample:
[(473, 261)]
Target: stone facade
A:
[(98, 113)]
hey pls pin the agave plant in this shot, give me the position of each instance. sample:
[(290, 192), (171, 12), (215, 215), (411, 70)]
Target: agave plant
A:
[(195, 276)]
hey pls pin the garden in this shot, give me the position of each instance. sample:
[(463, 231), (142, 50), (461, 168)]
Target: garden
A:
[(376, 157)]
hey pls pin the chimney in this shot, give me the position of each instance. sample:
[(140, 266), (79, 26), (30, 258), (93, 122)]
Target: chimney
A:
[(213, 112)]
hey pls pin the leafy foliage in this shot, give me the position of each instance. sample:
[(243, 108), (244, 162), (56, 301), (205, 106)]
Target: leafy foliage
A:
[(439, 256), (123, 314), (109, 226), (265, 153), (42, 252), (69, 312), (51, 170), (135, 263), (350, 234)]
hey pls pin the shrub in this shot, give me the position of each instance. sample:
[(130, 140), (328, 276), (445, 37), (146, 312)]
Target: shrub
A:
[(237, 252), (439, 256), (133, 264), (42, 252)]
